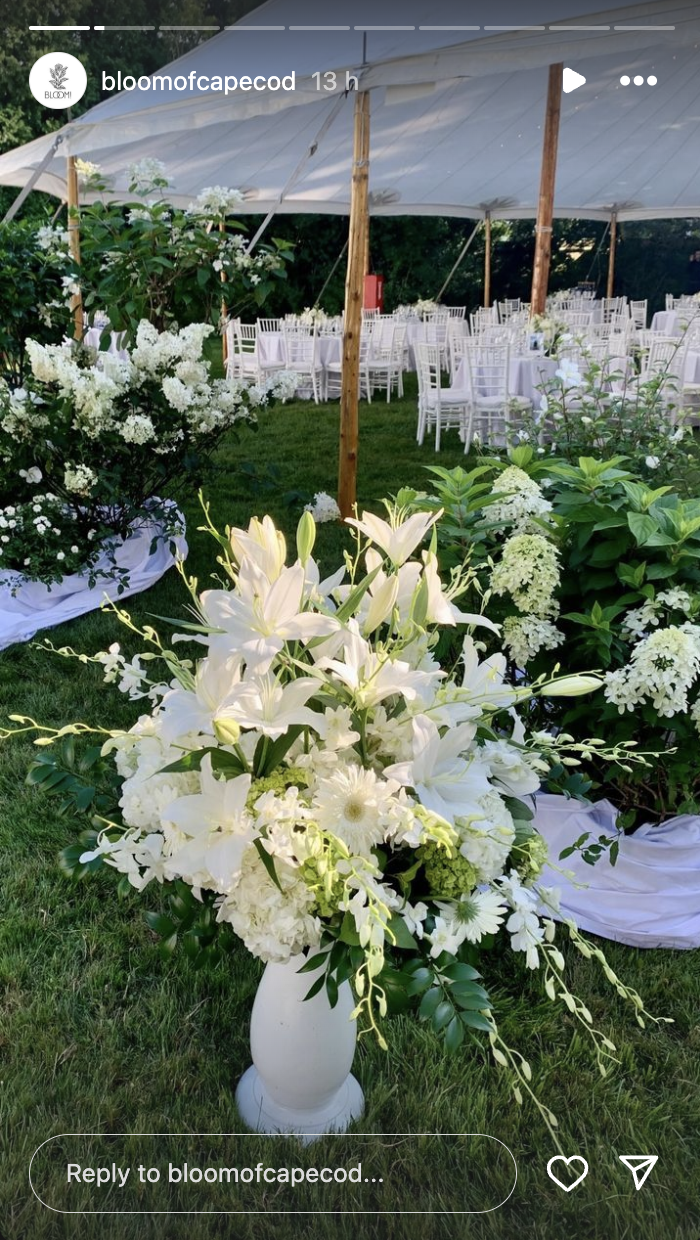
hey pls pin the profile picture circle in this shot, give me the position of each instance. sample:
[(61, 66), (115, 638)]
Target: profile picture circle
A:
[(57, 80)]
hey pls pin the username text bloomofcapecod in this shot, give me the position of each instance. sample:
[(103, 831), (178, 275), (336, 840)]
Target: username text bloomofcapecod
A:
[(197, 81)]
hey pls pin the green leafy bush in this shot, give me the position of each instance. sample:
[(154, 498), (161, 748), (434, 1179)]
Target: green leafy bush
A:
[(590, 567), (35, 271)]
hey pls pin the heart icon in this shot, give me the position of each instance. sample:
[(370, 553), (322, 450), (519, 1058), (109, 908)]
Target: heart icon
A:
[(575, 1158)]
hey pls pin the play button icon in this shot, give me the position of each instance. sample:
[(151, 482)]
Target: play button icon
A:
[(572, 80)]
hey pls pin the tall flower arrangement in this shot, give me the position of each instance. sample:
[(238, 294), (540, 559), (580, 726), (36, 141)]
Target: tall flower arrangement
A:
[(318, 783)]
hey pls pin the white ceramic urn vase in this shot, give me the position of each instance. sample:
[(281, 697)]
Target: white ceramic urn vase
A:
[(302, 1053)]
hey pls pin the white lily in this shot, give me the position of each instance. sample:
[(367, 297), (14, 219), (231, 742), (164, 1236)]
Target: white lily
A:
[(262, 543), (184, 712), (398, 539), (264, 704), (444, 780), (441, 610), (219, 828), (483, 682), (371, 678), (258, 618)]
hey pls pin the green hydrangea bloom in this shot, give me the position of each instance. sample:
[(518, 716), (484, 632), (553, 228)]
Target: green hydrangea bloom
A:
[(327, 887), (530, 856), (278, 782), (448, 875)]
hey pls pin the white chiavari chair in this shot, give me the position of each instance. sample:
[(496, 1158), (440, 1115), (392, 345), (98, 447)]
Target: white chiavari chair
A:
[(302, 356), (440, 407), (488, 376)]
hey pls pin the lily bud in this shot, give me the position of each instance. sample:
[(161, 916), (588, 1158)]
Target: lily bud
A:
[(571, 686), (306, 537), (227, 731)]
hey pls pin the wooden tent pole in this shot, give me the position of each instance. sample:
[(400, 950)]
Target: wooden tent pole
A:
[(354, 294), (545, 210), (613, 252), (73, 202), (487, 261)]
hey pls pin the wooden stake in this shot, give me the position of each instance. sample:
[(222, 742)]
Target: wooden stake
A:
[(487, 261), (545, 210), (354, 295), (73, 202), (613, 250)]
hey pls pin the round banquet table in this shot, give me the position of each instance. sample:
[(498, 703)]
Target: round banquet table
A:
[(525, 375), (271, 350)]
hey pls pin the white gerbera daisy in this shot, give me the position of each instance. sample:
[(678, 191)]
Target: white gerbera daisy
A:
[(475, 915), (355, 805)]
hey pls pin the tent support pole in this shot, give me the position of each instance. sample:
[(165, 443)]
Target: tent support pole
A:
[(613, 252), (289, 185), (545, 210), (354, 296), (224, 310), (24, 193), (73, 203), (487, 261), (332, 271), (460, 256)]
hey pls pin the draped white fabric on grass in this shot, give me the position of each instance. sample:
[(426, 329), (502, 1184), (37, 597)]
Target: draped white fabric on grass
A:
[(456, 114), (36, 607), (650, 898)]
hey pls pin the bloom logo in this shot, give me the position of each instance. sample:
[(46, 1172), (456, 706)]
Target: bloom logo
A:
[(58, 76), (57, 80)]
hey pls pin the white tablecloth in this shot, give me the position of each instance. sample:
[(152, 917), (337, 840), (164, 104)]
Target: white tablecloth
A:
[(271, 352), (34, 606), (650, 898), (674, 322), (526, 374), (691, 369), (665, 322)]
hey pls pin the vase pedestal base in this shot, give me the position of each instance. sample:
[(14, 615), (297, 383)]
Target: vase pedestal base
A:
[(261, 1113)]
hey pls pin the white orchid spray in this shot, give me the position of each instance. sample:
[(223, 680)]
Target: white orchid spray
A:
[(322, 785)]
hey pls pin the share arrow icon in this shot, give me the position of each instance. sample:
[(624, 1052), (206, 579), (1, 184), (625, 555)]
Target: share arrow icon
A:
[(640, 1165)]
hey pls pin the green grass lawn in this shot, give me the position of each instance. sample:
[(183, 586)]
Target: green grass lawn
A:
[(99, 1034)]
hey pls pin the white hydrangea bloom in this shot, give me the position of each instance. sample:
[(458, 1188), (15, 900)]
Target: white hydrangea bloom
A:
[(79, 479), (662, 669), (323, 508), (216, 200), (145, 174), (137, 428), (274, 925), (528, 570), (524, 500), (525, 636)]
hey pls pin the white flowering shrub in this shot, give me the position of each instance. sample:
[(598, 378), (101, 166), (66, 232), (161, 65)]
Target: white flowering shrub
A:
[(323, 508), (586, 565), (105, 442), (594, 408), (148, 259), (316, 783)]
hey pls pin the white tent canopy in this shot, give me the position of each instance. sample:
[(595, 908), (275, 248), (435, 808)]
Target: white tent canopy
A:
[(456, 114)]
